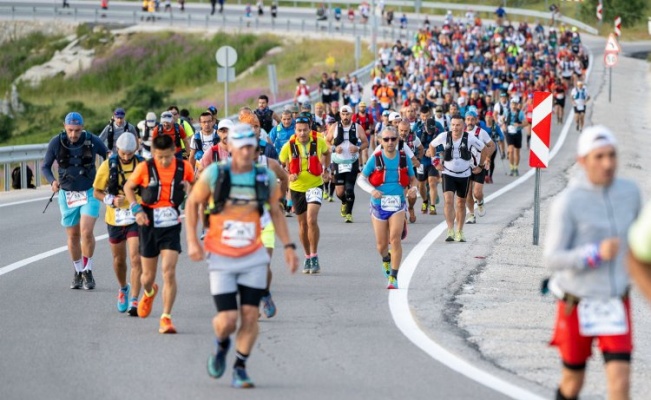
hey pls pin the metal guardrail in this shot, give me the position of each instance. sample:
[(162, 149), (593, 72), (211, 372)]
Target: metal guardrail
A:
[(25, 155)]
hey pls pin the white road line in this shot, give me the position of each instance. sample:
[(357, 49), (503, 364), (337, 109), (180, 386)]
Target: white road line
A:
[(27, 201), (405, 321)]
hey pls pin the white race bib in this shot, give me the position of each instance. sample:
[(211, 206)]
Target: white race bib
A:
[(343, 168), (124, 217), (580, 107), (165, 217), (511, 129), (76, 199), (602, 317), (238, 234), (420, 169), (560, 96), (390, 203), (314, 195)]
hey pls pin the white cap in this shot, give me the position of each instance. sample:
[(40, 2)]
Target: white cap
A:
[(461, 100), (150, 120), (166, 117), (226, 123), (595, 137), (394, 116), (127, 142), (241, 135), (346, 109)]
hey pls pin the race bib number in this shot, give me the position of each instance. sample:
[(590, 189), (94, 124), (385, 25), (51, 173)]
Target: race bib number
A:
[(602, 317), (124, 217), (326, 91), (420, 170), (385, 105), (497, 80), (511, 129), (560, 96), (238, 234), (314, 195), (165, 217), (580, 107), (76, 199), (390, 203), (343, 168)]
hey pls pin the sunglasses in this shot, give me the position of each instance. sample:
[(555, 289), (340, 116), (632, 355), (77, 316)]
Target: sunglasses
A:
[(390, 139), (303, 120)]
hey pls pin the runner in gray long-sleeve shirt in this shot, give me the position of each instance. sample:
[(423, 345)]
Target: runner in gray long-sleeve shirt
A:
[(116, 127), (585, 247)]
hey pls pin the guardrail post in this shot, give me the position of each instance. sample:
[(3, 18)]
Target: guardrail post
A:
[(206, 20), (241, 22), (23, 175), (354, 29), (13, 13), (302, 25), (75, 13), (189, 20), (273, 24), (7, 168), (329, 26), (224, 21), (34, 13), (135, 17), (54, 13), (288, 24), (316, 26), (257, 22), (37, 173), (96, 16), (171, 19)]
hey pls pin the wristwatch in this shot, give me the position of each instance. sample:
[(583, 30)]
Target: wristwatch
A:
[(290, 246)]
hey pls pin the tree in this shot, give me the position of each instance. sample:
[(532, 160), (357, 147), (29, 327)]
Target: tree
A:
[(6, 127), (631, 11)]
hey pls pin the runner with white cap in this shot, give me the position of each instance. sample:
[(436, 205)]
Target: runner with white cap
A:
[(585, 248)]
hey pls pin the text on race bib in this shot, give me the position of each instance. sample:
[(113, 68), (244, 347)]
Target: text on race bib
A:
[(238, 234), (391, 203), (602, 317), (314, 195), (76, 199), (343, 168), (124, 217), (165, 217)]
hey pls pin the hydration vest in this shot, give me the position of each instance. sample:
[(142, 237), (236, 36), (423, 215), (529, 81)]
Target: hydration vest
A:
[(177, 136), (150, 194), (145, 137), (378, 176), (266, 118), (215, 153), (66, 160), (237, 232), (314, 166), (115, 173), (111, 133), (198, 143), (352, 134), (463, 147)]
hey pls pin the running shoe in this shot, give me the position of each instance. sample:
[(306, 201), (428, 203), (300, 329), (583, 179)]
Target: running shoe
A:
[(144, 306), (512, 173), (450, 237), (241, 379), (404, 231), (330, 199), (123, 299), (348, 218), (217, 362), (386, 265), (166, 325), (77, 281), (307, 266), (423, 208), (88, 280), (481, 209), (470, 219), (326, 196), (432, 210), (203, 234), (343, 210), (460, 237), (516, 172), (412, 216), (133, 308), (316, 268), (392, 283), (268, 306)]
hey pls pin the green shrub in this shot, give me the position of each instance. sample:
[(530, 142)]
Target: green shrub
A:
[(6, 127)]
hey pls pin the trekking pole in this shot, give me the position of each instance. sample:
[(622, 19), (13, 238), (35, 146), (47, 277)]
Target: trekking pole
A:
[(48, 202)]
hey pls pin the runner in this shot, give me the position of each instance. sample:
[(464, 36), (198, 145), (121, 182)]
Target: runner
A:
[(559, 89), (170, 128), (496, 134), (386, 176), (163, 182), (349, 140), (302, 155), (428, 176), (219, 152), (476, 188), (146, 128), (410, 140), (115, 128), (237, 259), (639, 257), (203, 139), (365, 119), (456, 170), (120, 222), (580, 98), (75, 151), (266, 115), (585, 247), (514, 122)]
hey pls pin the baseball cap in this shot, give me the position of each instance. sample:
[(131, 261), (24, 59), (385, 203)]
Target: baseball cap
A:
[(242, 135), (438, 109), (226, 124), (74, 118), (386, 113), (346, 109), (461, 100), (150, 119), (119, 112), (471, 113), (166, 117), (502, 94), (212, 110), (593, 138), (361, 104), (127, 142), (394, 116), (489, 114), (306, 105)]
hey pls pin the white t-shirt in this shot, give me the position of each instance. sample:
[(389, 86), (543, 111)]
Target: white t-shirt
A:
[(206, 141), (346, 157), (484, 137), (456, 167), (580, 96)]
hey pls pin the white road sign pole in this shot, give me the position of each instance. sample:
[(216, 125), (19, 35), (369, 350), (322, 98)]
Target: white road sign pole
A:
[(226, 56)]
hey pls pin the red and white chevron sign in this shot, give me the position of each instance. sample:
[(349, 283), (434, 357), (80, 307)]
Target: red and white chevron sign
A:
[(600, 11), (618, 26), (541, 123)]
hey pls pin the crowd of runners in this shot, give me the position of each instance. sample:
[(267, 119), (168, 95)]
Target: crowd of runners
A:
[(444, 107)]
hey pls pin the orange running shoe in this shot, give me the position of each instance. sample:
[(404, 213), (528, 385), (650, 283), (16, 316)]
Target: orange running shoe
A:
[(145, 303), (166, 325)]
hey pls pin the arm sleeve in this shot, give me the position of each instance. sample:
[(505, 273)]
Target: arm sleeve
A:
[(558, 255), (103, 136), (50, 156), (362, 182)]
